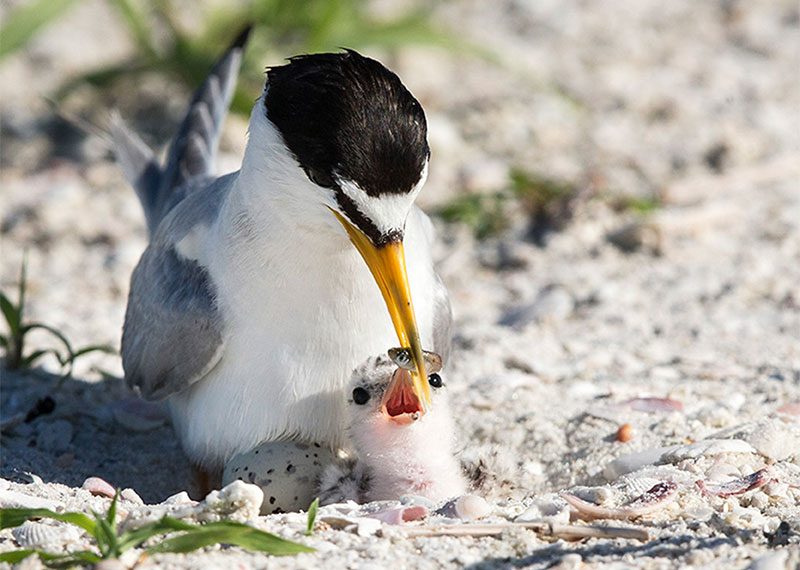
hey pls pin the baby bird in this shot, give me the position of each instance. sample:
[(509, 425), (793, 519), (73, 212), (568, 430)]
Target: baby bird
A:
[(396, 450)]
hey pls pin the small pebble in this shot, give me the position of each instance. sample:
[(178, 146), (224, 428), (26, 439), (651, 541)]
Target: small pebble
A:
[(132, 496), (99, 487), (624, 433), (181, 498)]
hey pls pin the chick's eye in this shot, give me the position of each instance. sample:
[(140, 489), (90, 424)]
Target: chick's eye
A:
[(360, 396), (435, 380)]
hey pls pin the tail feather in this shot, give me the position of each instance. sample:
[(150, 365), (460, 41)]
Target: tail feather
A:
[(193, 150), (139, 165)]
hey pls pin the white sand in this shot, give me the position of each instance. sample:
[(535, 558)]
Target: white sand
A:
[(694, 103)]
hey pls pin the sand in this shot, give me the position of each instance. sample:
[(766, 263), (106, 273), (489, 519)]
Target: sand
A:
[(681, 320)]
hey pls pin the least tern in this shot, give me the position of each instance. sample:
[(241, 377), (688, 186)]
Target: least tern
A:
[(252, 303)]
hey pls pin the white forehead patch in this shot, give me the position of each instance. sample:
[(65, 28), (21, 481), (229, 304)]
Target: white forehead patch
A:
[(389, 211)]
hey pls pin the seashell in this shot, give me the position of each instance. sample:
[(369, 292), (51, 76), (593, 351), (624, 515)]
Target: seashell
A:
[(471, 507), (706, 447), (417, 500), (99, 487), (399, 516), (38, 535), (636, 485), (792, 409), (551, 509), (654, 499), (736, 486), (466, 507), (362, 526), (653, 405), (722, 471), (14, 500), (634, 461)]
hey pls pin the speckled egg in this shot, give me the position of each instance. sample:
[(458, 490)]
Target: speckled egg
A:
[(287, 471)]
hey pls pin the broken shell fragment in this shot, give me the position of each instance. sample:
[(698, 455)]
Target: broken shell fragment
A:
[(658, 496), (736, 486), (401, 515)]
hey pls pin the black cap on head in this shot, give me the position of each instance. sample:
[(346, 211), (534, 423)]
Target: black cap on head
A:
[(346, 114)]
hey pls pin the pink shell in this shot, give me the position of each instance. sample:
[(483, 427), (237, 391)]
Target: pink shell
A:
[(399, 516), (656, 498), (737, 486), (98, 486), (791, 409)]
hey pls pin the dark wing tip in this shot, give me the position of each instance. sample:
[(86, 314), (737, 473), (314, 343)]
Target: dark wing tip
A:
[(243, 36)]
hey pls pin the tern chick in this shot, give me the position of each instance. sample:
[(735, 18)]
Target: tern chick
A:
[(396, 450)]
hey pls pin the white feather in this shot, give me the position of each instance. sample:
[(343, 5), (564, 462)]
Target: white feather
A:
[(300, 308)]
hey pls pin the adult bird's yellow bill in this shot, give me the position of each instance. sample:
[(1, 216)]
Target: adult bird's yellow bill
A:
[(387, 263)]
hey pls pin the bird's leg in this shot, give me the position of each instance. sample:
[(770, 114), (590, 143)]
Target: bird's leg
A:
[(204, 481)]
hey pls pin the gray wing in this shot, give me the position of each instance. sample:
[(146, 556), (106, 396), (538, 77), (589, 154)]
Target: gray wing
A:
[(174, 334)]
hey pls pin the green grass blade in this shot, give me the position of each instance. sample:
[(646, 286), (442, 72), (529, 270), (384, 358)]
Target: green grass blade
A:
[(55, 332), (111, 515), (4, 341), (312, 516), (229, 532), (137, 25), (10, 518), (22, 23), (133, 538), (106, 538), (11, 315), (52, 560), (106, 348), (29, 360), (15, 556)]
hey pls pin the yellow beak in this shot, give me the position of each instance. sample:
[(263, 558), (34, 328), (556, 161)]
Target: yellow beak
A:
[(387, 264)]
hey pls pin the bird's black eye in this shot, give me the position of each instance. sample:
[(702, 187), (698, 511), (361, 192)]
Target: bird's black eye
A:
[(319, 177), (360, 396), (435, 380)]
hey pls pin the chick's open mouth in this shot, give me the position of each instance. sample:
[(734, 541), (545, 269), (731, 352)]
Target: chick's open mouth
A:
[(400, 404)]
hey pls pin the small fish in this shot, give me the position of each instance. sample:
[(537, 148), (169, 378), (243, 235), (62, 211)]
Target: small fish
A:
[(402, 357)]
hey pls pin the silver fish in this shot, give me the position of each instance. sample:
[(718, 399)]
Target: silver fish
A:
[(402, 357)]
